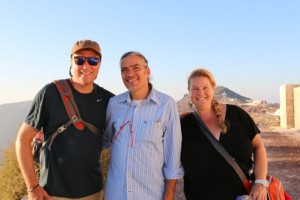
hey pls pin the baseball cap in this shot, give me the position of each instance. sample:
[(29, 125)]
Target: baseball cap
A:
[(86, 44)]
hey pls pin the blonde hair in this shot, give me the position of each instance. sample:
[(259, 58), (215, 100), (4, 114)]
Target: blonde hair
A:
[(200, 72)]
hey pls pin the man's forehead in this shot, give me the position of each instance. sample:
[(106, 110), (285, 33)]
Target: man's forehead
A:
[(131, 65)]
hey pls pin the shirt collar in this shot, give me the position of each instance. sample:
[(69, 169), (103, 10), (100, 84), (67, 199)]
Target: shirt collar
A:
[(151, 97)]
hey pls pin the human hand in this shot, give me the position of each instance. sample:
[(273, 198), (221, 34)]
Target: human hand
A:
[(258, 192), (38, 194)]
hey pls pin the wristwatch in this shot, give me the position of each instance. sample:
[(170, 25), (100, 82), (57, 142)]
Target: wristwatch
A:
[(264, 182)]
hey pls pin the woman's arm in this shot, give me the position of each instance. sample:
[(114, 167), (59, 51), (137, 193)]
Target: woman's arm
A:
[(260, 168)]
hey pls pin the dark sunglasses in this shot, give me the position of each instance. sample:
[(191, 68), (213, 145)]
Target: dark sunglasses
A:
[(80, 60)]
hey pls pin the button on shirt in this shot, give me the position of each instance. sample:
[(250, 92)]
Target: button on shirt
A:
[(145, 141)]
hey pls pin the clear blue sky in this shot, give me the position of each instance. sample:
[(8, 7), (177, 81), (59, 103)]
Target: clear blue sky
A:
[(252, 47)]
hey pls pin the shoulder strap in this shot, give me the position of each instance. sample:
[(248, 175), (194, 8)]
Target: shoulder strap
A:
[(69, 102), (71, 107), (72, 110), (231, 161)]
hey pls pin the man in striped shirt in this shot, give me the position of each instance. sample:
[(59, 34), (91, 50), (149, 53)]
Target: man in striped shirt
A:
[(143, 131)]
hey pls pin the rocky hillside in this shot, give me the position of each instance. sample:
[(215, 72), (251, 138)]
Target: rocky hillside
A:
[(264, 115), (225, 94)]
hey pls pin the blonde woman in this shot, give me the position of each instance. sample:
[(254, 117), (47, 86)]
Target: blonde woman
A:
[(207, 174)]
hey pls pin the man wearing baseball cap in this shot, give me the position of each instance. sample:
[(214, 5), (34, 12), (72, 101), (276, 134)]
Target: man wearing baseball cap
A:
[(71, 170)]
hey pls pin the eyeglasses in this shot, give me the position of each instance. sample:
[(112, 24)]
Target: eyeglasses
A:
[(80, 60)]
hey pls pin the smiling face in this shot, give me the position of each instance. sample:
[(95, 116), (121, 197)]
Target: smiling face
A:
[(201, 91), (135, 74), (201, 86), (84, 74)]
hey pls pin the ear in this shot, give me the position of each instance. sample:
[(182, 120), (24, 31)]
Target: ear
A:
[(70, 71), (148, 71)]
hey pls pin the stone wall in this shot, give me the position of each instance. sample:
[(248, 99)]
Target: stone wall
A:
[(283, 114), (287, 115), (297, 107)]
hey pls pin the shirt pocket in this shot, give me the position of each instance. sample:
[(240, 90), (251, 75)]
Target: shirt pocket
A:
[(150, 132)]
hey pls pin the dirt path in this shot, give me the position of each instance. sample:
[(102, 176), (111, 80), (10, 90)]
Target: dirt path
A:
[(283, 149)]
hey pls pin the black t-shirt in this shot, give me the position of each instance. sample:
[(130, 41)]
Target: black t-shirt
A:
[(207, 174), (71, 169)]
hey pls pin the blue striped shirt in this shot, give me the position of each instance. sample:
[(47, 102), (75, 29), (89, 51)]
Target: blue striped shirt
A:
[(145, 141)]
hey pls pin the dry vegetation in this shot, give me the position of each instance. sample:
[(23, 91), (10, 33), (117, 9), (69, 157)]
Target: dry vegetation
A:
[(12, 185), (105, 157)]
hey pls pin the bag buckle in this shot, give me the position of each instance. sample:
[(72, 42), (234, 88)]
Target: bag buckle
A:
[(74, 118), (61, 129)]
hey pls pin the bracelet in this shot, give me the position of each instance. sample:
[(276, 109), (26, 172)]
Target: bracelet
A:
[(30, 190), (264, 182)]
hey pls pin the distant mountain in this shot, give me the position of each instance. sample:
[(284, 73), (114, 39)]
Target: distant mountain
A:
[(222, 94), (12, 115)]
